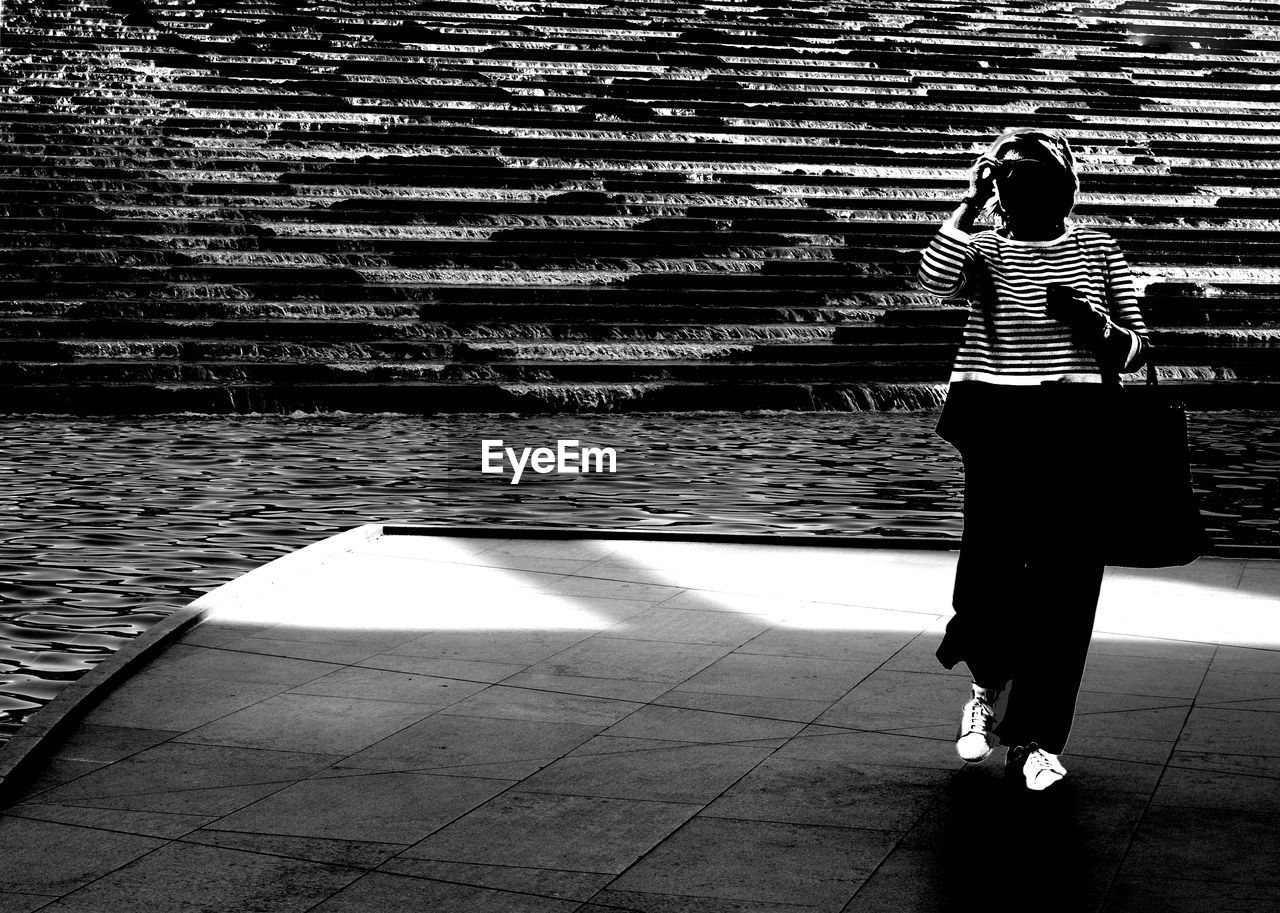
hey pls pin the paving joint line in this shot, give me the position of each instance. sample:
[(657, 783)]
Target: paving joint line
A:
[(1150, 800)]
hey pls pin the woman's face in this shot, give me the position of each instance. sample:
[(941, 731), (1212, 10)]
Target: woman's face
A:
[(1032, 191)]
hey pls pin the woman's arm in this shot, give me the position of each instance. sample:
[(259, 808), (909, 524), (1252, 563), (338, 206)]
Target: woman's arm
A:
[(1126, 341), (946, 264)]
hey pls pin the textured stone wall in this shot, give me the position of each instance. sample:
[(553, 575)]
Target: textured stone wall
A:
[(487, 204)]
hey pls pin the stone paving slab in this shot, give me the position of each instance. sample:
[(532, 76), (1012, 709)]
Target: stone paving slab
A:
[(415, 722)]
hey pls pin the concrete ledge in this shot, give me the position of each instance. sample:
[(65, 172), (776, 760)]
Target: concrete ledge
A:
[(491, 531), (56, 718), (919, 543)]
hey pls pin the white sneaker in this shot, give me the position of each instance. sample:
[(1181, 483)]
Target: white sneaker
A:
[(1040, 769), (974, 739)]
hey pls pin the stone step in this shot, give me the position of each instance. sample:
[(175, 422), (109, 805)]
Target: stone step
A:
[(125, 371), (824, 281), (41, 148), (961, 56), (862, 326), (1240, 141), (564, 236), (429, 398), (124, 309), (591, 313), (299, 329), (895, 367), (359, 91), (461, 37), (198, 350), (551, 249), (941, 326), (882, 364), (773, 222), (410, 397)]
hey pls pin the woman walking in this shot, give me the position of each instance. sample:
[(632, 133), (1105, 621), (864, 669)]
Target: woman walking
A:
[(1053, 318)]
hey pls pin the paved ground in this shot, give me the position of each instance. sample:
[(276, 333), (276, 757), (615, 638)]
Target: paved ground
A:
[(412, 723)]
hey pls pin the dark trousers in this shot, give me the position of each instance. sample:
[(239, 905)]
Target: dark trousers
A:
[(1029, 573)]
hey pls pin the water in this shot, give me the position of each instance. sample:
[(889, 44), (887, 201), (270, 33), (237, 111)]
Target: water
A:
[(110, 524)]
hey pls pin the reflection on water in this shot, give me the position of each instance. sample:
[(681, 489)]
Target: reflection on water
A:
[(109, 524)]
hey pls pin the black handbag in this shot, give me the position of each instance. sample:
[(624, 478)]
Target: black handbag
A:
[(1152, 514)]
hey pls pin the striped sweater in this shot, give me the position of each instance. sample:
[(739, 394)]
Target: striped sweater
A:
[(1009, 338)]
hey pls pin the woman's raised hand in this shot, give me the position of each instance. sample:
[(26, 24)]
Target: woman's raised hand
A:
[(982, 179)]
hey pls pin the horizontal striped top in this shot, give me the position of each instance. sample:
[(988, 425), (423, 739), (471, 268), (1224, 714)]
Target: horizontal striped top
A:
[(1009, 338)]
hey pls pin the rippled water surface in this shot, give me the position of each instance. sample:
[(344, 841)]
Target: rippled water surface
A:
[(109, 524)]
